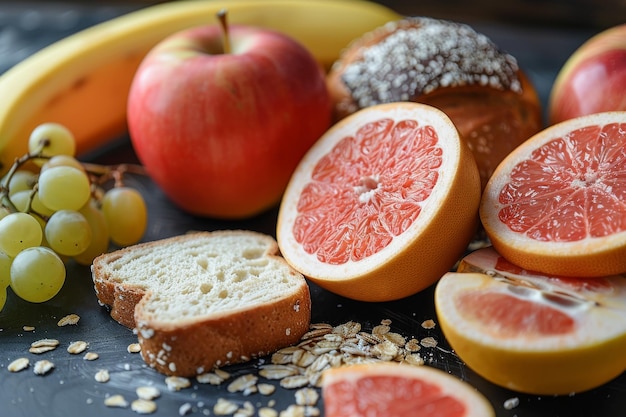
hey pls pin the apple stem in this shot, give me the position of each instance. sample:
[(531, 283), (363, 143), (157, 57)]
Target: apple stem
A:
[(221, 15)]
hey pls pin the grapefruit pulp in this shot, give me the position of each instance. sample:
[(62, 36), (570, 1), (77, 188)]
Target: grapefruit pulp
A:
[(388, 389), (382, 205), (531, 332), (557, 203)]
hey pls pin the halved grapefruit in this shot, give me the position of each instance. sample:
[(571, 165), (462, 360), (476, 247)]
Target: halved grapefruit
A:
[(382, 205), (557, 203), (531, 332), (389, 389)]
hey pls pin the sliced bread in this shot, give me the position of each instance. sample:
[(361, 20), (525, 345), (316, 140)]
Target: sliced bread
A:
[(204, 300)]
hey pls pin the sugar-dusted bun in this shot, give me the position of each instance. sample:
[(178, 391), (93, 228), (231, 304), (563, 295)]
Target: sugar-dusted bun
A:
[(204, 300), (447, 65)]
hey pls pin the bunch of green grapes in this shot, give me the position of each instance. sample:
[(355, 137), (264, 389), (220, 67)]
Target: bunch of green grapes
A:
[(54, 208)]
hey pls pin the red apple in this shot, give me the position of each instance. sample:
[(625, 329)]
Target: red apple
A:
[(221, 132), (593, 79)]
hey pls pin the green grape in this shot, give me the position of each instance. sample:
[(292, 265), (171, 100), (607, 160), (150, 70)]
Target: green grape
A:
[(64, 188), (21, 200), (62, 160), (37, 274), (5, 270), (21, 180), (19, 231), (4, 212), (99, 234), (126, 215), (67, 232), (3, 297), (51, 139), (40, 208)]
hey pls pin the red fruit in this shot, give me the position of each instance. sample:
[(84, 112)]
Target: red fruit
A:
[(593, 79), (219, 132)]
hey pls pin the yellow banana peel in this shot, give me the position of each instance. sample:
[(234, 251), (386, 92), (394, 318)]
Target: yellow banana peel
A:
[(82, 81)]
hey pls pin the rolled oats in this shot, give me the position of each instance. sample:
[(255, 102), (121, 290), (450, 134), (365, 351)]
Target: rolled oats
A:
[(209, 378), (306, 396), (143, 406), (18, 365), (91, 356), (70, 319), (242, 383), (224, 407), (43, 367), (102, 376), (267, 412), (428, 342), (147, 392), (295, 381), (176, 383), (77, 347), (428, 324), (134, 348), (116, 401), (266, 389), (43, 345)]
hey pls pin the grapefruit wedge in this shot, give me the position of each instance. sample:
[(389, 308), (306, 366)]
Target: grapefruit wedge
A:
[(382, 205), (557, 203), (531, 332), (388, 389)]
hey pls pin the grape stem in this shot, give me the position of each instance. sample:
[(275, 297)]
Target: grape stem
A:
[(98, 175)]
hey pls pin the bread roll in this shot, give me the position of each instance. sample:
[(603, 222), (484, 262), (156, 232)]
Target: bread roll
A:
[(449, 66), (204, 300)]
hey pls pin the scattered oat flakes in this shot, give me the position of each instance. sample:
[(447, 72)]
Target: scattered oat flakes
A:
[(18, 365), (148, 392), (429, 342), (246, 411), (134, 348), (140, 406), (511, 403), (266, 389), (41, 349), (44, 343), (176, 383), (116, 401), (428, 324), (295, 381), (43, 367), (242, 383), (28, 328), (102, 376), (300, 411), (91, 356), (184, 409), (306, 396), (210, 378), (224, 407), (267, 412), (77, 347), (70, 319)]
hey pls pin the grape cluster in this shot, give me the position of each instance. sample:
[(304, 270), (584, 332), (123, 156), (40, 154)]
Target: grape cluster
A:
[(54, 208)]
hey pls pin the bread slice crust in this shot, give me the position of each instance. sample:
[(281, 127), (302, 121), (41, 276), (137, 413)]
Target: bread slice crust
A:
[(191, 343)]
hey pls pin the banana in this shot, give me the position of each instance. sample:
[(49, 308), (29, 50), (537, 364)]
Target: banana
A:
[(82, 81)]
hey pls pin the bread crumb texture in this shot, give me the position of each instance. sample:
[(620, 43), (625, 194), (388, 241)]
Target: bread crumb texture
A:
[(195, 276)]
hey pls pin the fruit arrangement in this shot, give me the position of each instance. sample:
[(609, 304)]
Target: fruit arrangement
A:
[(375, 205), (54, 208)]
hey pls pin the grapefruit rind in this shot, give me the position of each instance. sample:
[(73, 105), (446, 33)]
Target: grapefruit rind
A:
[(417, 257), (588, 257), (589, 355), (476, 405)]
